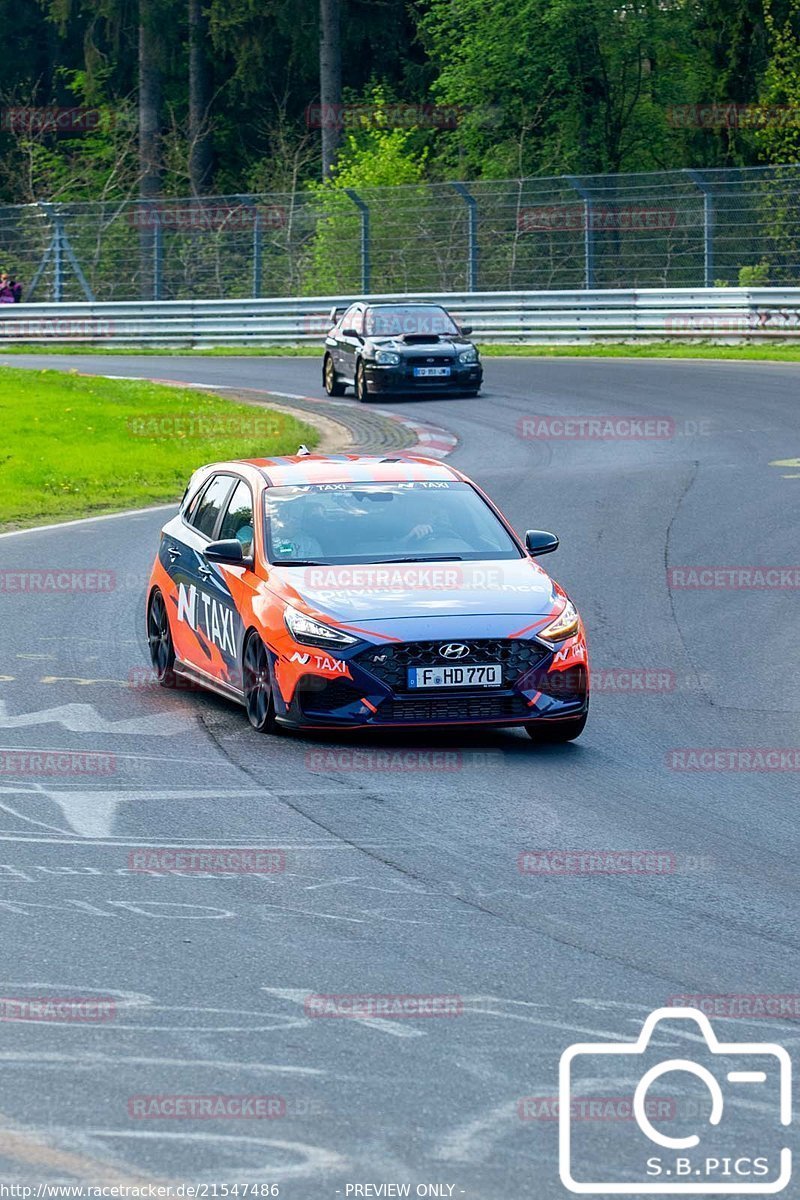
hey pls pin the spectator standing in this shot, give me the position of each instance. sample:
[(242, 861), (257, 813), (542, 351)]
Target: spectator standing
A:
[(6, 289)]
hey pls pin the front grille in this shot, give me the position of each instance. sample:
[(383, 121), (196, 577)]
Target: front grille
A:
[(453, 708), (390, 663), (319, 696)]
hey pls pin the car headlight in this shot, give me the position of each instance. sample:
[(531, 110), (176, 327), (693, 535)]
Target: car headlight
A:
[(313, 633), (470, 355), (387, 358), (564, 625)]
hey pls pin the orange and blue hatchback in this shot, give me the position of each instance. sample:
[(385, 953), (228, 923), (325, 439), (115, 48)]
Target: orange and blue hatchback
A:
[(344, 591)]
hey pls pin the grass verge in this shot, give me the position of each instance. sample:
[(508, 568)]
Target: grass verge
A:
[(76, 446)]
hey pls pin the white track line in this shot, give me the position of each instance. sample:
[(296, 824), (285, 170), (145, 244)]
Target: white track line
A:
[(129, 512)]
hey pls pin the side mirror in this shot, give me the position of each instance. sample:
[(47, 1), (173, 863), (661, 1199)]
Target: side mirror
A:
[(466, 330), (352, 333), (537, 541), (229, 551)]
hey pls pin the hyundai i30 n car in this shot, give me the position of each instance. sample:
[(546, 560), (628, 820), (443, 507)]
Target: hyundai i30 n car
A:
[(347, 591), (399, 348)]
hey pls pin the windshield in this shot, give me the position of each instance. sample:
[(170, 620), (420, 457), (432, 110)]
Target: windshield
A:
[(380, 522), (397, 319)]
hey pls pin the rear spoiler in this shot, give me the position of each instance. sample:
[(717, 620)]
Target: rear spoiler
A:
[(335, 313)]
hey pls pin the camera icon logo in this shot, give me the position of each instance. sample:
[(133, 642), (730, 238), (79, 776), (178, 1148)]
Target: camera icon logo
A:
[(725, 1089)]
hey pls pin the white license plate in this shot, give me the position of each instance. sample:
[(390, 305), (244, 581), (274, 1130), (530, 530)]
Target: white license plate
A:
[(467, 676), (420, 371)]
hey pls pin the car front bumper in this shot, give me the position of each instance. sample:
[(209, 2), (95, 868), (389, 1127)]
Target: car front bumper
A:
[(377, 696), (462, 378)]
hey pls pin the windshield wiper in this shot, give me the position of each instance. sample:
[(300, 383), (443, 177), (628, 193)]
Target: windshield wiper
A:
[(301, 562), (421, 558)]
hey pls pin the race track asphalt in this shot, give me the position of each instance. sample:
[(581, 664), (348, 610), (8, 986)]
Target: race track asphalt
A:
[(405, 880)]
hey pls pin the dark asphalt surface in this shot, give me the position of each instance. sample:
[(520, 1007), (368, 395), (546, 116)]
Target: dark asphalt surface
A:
[(406, 880)]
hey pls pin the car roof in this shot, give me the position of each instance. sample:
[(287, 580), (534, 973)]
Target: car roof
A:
[(350, 468)]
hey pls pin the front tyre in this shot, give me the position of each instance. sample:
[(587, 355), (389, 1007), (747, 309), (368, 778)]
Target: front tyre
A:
[(330, 380), (258, 685), (553, 733), (362, 391), (159, 640)]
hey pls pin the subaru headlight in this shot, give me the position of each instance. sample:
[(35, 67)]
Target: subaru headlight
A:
[(313, 633), (470, 355), (564, 625), (387, 358)]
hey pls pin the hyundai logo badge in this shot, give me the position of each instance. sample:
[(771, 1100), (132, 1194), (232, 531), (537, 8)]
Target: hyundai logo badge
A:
[(454, 650)]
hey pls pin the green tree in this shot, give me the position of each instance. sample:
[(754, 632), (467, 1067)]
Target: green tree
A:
[(779, 138), (372, 158), (554, 86)]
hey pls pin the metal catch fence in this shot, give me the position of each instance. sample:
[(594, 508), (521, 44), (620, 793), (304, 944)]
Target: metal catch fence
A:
[(659, 230)]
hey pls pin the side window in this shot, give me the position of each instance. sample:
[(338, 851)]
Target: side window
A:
[(348, 320), (191, 507), (238, 520), (213, 498)]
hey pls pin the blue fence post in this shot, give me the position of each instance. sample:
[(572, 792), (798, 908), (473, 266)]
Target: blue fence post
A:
[(588, 229), (258, 251), (258, 241), (363, 208), (472, 235), (58, 248), (158, 253), (58, 258), (708, 225)]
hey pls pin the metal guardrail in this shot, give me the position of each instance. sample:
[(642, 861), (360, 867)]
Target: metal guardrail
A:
[(580, 316)]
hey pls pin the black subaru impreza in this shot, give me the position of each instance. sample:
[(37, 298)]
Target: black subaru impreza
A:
[(399, 348)]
